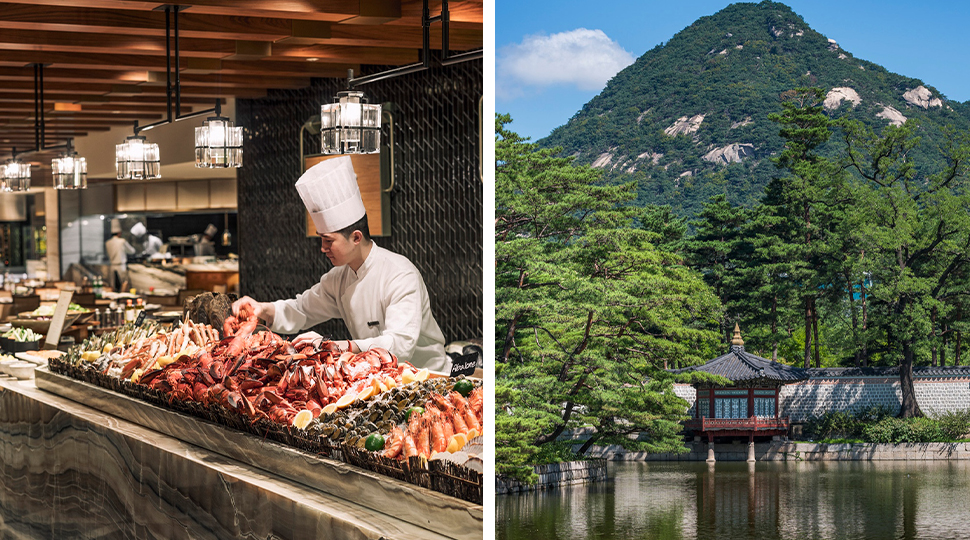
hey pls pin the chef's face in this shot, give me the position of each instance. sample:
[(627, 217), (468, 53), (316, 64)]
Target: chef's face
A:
[(338, 248)]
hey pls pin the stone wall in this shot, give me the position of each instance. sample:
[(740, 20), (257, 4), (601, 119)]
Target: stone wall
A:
[(556, 475), (938, 390)]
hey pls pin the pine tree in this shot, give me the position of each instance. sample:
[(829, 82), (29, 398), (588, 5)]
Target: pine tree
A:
[(917, 230), (588, 310)]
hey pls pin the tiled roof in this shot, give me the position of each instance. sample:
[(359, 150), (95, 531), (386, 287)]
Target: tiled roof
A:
[(889, 371), (739, 365)]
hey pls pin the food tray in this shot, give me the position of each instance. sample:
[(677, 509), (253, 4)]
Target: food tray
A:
[(414, 504)]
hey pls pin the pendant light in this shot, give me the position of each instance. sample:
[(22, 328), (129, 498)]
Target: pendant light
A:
[(218, 144), (15, 174), (350, 125), (137, 159), (69, 170)]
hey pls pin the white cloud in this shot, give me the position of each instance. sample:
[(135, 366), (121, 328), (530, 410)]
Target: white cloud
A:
[(583, 58)]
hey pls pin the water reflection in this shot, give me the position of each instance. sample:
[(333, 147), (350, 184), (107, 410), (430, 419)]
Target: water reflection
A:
[(785, 500)]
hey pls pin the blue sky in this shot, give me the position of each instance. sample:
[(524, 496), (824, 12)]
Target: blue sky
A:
[(547, 67)]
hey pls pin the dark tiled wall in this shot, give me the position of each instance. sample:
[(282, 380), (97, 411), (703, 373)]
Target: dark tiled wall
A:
[(436, 204)]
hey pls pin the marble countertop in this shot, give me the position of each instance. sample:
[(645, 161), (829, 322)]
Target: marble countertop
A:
[(341, 500)]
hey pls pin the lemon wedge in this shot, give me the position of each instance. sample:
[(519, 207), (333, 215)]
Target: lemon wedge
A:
[(302, 419), (345, 400), (330, 408), (457, 443), (366, 393)]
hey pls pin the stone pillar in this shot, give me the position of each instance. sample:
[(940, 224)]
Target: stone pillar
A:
[(751, 452)]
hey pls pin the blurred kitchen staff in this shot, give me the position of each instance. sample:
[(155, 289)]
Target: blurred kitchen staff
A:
[(118, 250)]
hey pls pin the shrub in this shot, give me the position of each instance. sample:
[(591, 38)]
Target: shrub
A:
[(954, 425), (886, 431), (831, 424)]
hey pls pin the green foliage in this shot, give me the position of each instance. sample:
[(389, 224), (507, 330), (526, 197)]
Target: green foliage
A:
[(838, 423), (903, 430), (558, 452), (589, 310), (954, 425)]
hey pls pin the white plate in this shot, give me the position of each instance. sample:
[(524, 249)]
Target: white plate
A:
[(31, 358)]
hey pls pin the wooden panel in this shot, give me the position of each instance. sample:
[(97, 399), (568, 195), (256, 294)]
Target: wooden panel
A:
[(193, 195), (222, 193), (376, 202), (160, 196), (130, 197)]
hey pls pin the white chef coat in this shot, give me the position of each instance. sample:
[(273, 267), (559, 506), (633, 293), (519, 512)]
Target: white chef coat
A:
[(153, 245), (384, 304), (118, 250)]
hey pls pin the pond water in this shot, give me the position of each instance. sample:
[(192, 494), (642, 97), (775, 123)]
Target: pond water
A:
[(734, 500)]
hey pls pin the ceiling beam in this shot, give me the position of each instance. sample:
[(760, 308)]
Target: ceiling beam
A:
[(152, 23)]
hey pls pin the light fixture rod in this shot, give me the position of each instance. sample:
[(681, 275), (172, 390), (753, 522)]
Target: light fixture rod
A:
[(446, 59), (172, 27), (168, 65)]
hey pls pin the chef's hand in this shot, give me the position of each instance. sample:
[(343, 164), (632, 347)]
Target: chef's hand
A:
[(308, 338), (315, 339), (262, 310)]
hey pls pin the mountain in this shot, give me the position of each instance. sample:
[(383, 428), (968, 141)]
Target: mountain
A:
[(689, 118)]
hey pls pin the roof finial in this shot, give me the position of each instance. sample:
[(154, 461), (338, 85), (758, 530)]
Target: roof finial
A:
[(737, 336)]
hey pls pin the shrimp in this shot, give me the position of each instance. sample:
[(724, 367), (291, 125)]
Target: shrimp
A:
[(461, 405), (395, 443)]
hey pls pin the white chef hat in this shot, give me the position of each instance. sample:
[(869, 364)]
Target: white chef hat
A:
[(115, 226), (330, 193), (211, 230), (139, 229)]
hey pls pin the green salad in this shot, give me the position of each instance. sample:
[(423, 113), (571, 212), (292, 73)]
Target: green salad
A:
[(22, 334), (48, 311)]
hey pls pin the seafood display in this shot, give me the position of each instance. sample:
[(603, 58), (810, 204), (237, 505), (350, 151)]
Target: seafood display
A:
[(320, 397)]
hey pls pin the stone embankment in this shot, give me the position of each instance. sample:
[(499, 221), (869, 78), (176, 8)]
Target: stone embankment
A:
[(799, 451), (556, 475)]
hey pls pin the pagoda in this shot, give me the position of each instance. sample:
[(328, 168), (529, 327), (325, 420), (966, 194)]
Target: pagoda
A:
[(748, 407)]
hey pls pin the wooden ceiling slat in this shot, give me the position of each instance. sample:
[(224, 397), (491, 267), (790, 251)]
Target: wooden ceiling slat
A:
[(127, 22), (52, 75), (127, 62), (316, 10), (85, 42), (106, 89)]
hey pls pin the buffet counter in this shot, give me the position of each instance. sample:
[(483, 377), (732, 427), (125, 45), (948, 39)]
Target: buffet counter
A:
[(72, 470)]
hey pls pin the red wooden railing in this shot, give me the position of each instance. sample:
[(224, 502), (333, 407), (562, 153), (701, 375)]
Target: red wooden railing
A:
[(754, 424)]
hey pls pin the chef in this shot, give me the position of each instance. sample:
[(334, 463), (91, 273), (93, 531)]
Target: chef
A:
[(205, 247), (380, 295), (118, 250), (153, 244)]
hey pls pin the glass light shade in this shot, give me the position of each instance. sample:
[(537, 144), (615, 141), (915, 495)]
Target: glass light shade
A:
[(350, 126), (137, 159), (15, 175), (69, 171), (218, 144)]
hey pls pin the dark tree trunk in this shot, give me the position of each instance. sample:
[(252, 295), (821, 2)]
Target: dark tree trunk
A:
[(956, 352), (808, 333), (865, 334), (588, 444), (550, 437), (909, 407), (933, 338), (774, 329), (946, 342), (815, 333)]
